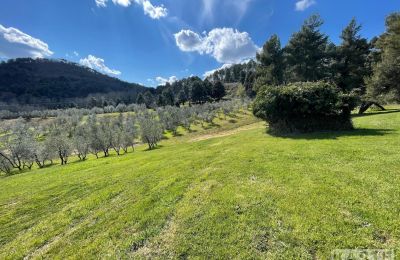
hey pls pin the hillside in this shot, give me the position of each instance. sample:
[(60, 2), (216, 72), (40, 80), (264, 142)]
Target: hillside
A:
[(225, 191), (38, 81)]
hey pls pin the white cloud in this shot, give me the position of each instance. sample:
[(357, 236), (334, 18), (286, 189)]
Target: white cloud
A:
[(124, 3), (188, 40), (211, 72), (226, 45), (163, 81), (101, 3), (304, 4), (99, 65), (154, 12), (15, 44), (76, 53)]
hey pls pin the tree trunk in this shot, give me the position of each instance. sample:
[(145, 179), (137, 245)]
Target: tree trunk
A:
[(367, 104)]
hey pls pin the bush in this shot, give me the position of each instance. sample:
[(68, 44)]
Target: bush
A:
[(304, 107)]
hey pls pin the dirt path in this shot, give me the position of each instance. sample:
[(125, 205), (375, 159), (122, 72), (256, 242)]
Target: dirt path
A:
[(226, 133)]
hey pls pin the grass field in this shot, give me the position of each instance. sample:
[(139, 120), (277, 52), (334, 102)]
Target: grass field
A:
[(231, 191)]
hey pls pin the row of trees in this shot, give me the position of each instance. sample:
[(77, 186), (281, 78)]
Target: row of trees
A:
[(193, 90), (25, 143)]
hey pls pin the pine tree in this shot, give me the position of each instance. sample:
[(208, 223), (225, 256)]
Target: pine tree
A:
[(271, 64), (306, 52), (352, 59), (385, 82)]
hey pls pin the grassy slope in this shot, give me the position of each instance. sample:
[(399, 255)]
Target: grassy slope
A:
[(241, 194)]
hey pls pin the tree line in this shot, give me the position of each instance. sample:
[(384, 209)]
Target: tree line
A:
[(312, 84), (26, 143), (369, 69)]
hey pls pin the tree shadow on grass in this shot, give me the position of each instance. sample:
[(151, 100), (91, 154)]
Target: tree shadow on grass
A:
[(155, 148), (373, 113), (211, 125), (359, 132)]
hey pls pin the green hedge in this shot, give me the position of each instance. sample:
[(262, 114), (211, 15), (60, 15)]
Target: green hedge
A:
[(304, 107)]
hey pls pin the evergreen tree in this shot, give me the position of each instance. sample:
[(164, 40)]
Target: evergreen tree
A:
[(140, 99), (385, 82), (352, 59), (182, 97), (271, 65), (218, 91), (306, 52)]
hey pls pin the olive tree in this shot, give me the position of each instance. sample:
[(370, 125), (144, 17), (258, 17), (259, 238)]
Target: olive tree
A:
[(81, 142), (150, 129), (18, 146)]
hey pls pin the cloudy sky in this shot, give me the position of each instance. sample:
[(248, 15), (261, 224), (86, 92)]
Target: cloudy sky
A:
[(156, 41)]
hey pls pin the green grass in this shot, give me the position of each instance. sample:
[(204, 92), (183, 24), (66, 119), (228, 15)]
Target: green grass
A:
[(217, 193)]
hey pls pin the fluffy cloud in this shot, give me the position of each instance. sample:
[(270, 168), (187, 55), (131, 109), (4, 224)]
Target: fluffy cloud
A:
[(155, 12), (188, 40), (163, 81), (211, 72), (14, 44), (304, 4), (99, 65), (226, 45)]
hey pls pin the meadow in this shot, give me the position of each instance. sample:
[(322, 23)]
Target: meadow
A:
[(229, 190)]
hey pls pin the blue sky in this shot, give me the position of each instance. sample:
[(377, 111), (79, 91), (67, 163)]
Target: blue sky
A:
[(151, 41)]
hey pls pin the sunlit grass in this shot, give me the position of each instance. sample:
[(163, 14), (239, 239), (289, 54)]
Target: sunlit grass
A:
[(245, 194)]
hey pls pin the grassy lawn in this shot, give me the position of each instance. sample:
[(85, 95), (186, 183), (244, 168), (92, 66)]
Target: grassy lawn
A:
[(231, 191)]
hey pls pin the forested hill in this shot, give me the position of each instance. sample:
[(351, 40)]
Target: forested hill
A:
[(56, 82)]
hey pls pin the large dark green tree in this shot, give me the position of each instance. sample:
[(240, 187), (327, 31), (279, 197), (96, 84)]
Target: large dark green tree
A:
[(270, 64), (306, 54), (352, 55), (385, 82), (218, 91), (198, 93)]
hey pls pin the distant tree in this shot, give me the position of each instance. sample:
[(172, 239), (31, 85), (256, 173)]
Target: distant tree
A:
[(182, 97), (140, 99), (168, 96), (149, 99), (218, 91), (306, 52), (198, 93)]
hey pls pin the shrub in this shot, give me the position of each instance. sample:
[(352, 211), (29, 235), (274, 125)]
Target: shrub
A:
[(304, 107)]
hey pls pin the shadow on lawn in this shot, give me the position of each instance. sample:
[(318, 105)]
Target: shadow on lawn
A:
[(335, 134), (387, 111)]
